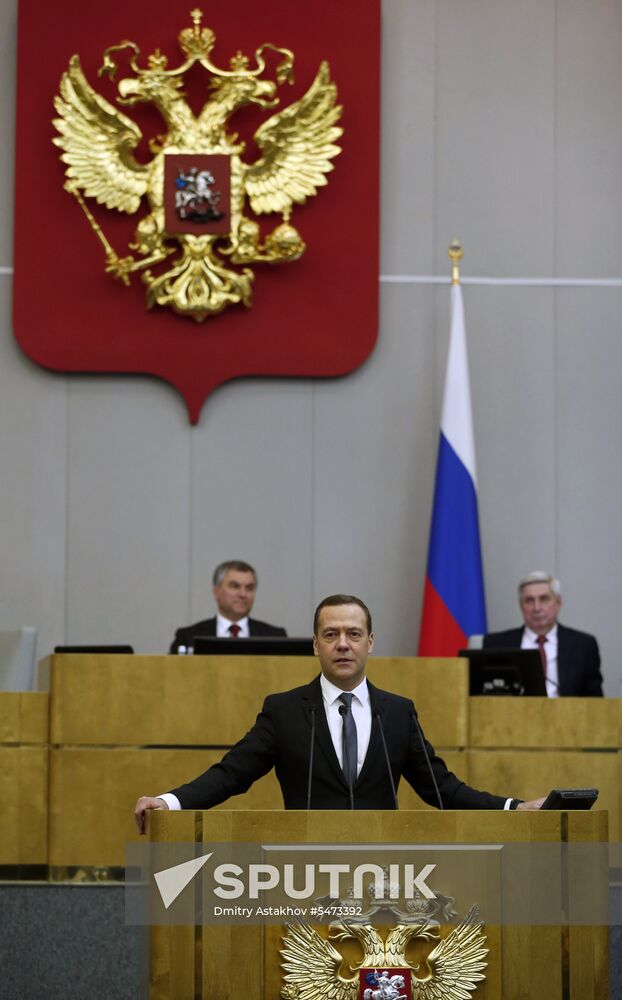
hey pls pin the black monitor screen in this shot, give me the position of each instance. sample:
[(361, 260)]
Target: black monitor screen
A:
[(257, 645), (505, 671)]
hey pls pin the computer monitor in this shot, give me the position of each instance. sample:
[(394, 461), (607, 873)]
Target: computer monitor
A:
[(256, 645), (505, 671)]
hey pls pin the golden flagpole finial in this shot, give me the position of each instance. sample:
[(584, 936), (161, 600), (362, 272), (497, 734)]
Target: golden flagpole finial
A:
[(456, 253)]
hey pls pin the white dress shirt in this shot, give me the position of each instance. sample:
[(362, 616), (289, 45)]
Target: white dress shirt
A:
[(530, 641), (361, 712), (223, 625)]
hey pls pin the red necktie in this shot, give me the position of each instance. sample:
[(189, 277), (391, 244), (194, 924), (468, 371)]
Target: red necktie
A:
[(541, 641), (235, 631)]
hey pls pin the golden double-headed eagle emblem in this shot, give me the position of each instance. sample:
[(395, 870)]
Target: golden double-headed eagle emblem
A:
[(195, 246), (448, 968), (387, 952)]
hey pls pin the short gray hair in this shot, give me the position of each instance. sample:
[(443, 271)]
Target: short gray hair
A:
[(540, 576), (236, 564)]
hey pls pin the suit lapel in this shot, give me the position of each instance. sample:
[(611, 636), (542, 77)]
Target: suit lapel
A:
[(563, 658), (375, 751), (312, 698)]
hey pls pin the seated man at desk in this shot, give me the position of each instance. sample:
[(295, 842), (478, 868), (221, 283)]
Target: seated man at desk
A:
[(336, 743), (570, 659), (234, 588)]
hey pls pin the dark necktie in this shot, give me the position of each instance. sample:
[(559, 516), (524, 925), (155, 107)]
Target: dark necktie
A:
[(541, 641), (350, 744), (235, 631)]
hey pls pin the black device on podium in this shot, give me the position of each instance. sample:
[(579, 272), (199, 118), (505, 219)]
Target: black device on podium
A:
[(570, 798), (505, 671)]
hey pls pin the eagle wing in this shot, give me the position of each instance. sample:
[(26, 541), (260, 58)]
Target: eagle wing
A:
[(297, 145), (311, 964), (97, 142), (399, 937), (456, 963)]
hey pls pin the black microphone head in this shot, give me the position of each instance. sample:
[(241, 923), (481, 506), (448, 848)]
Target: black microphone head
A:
[(342, 710)]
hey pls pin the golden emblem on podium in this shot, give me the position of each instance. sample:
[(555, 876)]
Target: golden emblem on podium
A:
[(406, 953), (202, 196)]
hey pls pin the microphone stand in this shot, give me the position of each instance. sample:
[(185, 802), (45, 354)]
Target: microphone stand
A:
[(311, 749), (386, 757), (427, 758)]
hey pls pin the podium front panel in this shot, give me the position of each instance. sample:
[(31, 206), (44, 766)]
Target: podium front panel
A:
[(540, 962)]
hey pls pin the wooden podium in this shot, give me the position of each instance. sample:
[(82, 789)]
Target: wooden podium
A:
[(542, 962)]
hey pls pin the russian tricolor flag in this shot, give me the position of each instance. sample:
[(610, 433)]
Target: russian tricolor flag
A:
[(454, 605)]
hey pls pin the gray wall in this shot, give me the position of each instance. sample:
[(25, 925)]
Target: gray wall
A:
[(501, 125)]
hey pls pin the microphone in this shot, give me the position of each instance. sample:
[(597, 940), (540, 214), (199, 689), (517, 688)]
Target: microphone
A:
[(342, 713), (549, 680), (386, 757), (311, 749), (427, 758)]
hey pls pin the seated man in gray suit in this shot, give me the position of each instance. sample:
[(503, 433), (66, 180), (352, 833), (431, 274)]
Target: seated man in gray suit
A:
[(234, 588), (336, 743), (570, 659)]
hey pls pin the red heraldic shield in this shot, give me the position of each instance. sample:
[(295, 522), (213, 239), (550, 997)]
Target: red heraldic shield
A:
[(197, 190), (385, 984), (314, 315)]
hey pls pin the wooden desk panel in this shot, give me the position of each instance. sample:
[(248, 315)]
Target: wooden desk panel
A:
[(211, 701), (534, 744), (24, 805), (163, 700), (24, 729), (24, 717), (528, 774), (565, 723), (93, 792)]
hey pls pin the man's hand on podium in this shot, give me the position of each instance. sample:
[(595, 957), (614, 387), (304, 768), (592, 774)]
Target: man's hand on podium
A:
[(144, 804), (534, 804)]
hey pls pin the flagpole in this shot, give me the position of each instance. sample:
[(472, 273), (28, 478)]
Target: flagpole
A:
[(454, 604)]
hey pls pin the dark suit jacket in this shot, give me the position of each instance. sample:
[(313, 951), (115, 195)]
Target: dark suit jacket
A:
[(185, 636), (578, 658), (281, 738)]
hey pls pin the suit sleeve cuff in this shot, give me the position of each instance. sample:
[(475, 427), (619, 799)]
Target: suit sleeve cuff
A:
[(512, 803)]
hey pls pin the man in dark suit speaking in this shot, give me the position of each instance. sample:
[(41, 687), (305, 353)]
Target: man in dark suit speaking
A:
[(337, 743), (570, 659), (234, 588)]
